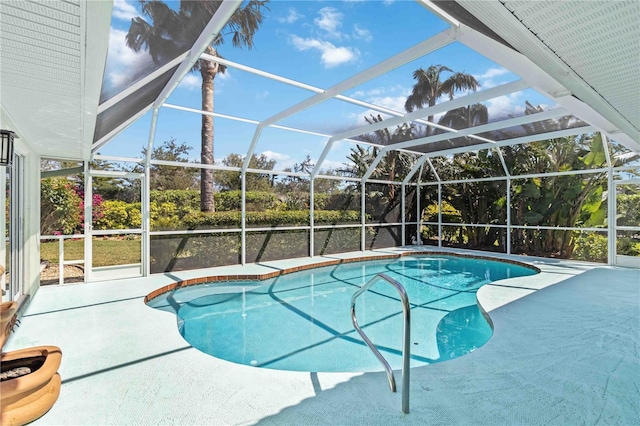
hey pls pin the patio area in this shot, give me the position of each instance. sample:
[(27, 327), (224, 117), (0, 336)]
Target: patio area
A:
[(564, 351)]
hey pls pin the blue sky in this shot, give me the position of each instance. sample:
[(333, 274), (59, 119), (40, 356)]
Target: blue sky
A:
[(315, 42)]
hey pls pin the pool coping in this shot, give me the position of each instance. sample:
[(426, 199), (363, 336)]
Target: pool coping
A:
[(259, 277)]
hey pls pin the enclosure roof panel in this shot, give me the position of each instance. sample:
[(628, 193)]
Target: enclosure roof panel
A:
[(57, 77)]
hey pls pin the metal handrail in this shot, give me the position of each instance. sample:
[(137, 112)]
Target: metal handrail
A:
[(406, 347)]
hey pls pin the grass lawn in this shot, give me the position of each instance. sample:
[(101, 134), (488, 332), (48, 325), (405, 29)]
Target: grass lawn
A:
[(105, 252)]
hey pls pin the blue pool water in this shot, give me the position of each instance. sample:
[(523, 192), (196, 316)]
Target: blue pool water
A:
[(301, 321)]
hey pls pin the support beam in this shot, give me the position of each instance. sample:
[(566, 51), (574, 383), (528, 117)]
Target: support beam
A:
[(417, 166), (504, 163), (146, 201), (414, 169), (252, 148), (439, 214), (484, 95), (403, 201), (503, 124), (121, 128), (433, 169), (311, 218), (243, 214), (518, 141), (612, 233), (152, 135), (140, 84), (433, 8), (323, 156), (88, 224), (508, 215), (363, 219), (261, 73), (373, 165)]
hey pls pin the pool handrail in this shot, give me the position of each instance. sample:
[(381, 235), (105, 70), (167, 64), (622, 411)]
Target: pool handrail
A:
[(406, 339)]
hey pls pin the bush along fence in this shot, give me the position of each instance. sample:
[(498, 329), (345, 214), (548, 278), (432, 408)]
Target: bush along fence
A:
[(202, 250)]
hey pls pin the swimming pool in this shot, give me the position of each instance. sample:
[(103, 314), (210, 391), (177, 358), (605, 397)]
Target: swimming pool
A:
[(301, 321)]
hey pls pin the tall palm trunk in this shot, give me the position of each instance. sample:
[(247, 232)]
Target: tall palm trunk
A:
[(208, 70)]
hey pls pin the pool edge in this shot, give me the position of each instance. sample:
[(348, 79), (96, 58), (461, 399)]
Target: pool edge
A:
[(258, 277)]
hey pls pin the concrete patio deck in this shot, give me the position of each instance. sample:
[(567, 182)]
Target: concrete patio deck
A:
[(565, 350)]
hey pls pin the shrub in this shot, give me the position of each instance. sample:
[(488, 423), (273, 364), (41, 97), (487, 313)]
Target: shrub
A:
[(60, 207), (187, 198), (628, 209), (628, 246), (591, 247), (219, 219), (255, 200), (164, 216), (338, 201), (449, 215), (178, 252), (119, 215), (190, 251)]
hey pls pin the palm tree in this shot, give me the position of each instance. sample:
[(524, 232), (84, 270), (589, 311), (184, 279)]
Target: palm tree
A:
[(429, 87), (464, 117), (172, 32), (393, 167)]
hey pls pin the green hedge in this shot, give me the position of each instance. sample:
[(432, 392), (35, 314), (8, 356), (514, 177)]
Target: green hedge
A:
[(215, 220), (166, 214), (256, 200), (186, 198), (224, 201), (181, 252)]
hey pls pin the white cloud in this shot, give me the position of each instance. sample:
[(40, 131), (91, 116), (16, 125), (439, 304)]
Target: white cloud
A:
[(119, 50), (226, 76), (122, 59), (372, 94), (283, 161), (190, 82), (395, 103), (331, 164), (487, 79), (292, 17), (332, 55), (123, 10), (362, 33), (388, 2), (503, 106), (492, 72), (330, 20), (367, 93), (262, 95)]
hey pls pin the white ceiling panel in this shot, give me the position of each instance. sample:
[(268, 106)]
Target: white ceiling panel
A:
[(598, 40), (592, 48), (43, 48)]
